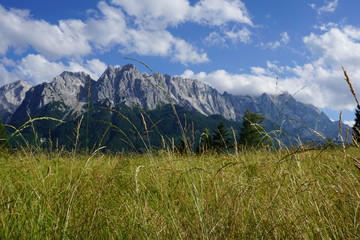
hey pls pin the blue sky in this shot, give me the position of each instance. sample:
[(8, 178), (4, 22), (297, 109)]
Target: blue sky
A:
[(243, 47)]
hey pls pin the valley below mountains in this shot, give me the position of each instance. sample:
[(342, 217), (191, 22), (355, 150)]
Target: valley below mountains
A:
[(125, 103)]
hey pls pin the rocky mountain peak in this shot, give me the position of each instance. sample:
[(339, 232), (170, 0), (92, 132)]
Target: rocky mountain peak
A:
[(112, 70), (69, 81), (11, 96), (67, 88), (74, 74), (128, 67), (15, 88), (109, 70)]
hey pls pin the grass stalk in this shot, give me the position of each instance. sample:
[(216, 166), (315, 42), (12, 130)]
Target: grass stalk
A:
[(348, 81)]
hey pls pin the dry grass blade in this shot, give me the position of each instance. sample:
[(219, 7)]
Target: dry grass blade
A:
[(347, 79), (340, 124), (77, 137), (119, 130), (356, 131)]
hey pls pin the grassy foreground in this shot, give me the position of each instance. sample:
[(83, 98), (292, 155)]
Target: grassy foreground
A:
[(305, 195)]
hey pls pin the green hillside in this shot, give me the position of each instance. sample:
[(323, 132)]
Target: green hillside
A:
[(121, 129)]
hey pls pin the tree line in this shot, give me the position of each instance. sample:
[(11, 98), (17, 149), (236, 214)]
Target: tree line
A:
[(252, 135)]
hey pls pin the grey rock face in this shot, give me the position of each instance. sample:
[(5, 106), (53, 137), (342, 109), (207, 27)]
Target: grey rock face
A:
[(69, 88), (67, 91), (129, 86), (11, 96)]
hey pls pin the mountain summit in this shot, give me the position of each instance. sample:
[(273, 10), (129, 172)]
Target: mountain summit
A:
[(11, 96)]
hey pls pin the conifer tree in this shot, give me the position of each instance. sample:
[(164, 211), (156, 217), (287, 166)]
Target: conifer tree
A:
[(221, 139), (252, 133), (356, 127)]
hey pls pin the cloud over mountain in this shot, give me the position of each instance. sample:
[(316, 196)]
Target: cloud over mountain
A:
[(319, 82)]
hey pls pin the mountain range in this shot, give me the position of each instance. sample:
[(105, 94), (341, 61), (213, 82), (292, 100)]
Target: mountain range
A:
[(72, 94)]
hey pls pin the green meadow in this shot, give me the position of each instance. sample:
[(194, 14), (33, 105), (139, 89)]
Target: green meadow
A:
[(304, 193)]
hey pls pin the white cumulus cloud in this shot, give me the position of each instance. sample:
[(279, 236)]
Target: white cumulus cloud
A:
[(161, 13), (337, 46), (141, 28), (19, 30), (284, 39), (238, 84), (224, 37), (329, 7), (155, 13), (218, 12), (36, 69), (108, 29)]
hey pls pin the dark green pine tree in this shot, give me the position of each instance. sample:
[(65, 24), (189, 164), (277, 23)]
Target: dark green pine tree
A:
[(221, 139), (4, 143), (252, 133), (356, 127)]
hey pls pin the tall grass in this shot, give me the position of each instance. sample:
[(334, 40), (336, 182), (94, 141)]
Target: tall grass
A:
[(257, 194)]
